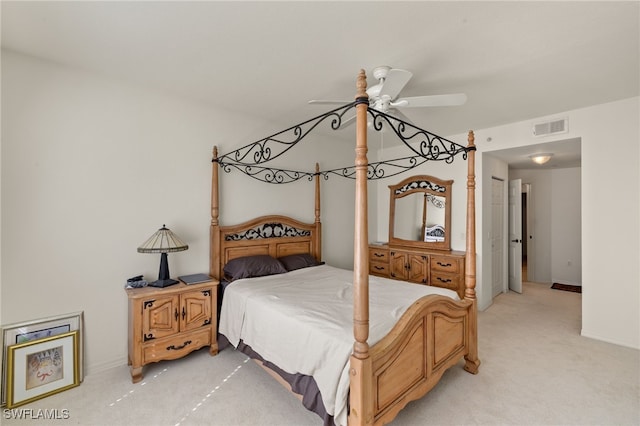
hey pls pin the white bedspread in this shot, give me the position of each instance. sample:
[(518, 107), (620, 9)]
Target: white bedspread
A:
[(302, 321)]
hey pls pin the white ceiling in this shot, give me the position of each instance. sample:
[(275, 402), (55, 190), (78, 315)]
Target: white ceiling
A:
[(514, 60)]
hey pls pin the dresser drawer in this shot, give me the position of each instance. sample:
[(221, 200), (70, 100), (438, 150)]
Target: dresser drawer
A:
[(445, 264), (378, 255), (451, 281), (176, 346), (380, 269)]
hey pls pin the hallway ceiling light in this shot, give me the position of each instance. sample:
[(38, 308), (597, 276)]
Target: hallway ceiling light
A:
[(541, 158)]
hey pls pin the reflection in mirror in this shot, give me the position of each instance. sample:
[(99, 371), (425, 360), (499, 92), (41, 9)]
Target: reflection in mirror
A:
[(420, 211), (420, 217)]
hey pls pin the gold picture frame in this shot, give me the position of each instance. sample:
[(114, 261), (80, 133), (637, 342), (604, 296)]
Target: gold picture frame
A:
[(42, 367)]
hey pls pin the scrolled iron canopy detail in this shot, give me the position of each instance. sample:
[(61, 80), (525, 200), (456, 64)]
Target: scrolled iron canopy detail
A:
[(425, 145)]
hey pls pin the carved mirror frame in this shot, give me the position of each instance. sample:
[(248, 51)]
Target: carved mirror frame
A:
[(427, 185)]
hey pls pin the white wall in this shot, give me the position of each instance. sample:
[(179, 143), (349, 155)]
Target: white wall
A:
[(566, 226), (91, 167)]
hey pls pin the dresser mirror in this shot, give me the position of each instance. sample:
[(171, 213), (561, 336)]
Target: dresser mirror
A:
[(420, 213)]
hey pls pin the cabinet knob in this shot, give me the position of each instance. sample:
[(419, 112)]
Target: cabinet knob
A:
[(175, 314)]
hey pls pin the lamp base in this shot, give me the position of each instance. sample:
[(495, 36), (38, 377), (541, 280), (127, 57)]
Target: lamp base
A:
[(163, 283)]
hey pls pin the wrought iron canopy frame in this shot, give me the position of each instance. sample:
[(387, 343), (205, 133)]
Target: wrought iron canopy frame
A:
[(426, 146)]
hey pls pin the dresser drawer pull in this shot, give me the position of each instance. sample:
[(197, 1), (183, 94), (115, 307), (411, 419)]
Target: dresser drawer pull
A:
[(379, 268), (446, 265), (378, 254), (173, 348), (443, 281)]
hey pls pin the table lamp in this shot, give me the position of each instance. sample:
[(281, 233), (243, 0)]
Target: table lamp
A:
[(163, 241)]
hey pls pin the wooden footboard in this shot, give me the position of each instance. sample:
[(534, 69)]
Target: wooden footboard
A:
[(433, 335)]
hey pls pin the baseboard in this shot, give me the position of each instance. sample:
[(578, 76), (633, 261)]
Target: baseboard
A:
[(104, 366), (607, 340)]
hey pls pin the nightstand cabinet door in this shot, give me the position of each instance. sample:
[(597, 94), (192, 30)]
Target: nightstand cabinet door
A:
[(160, 317), (195, 309)]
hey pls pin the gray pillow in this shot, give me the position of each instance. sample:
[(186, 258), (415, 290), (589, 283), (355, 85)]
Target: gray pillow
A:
[(252, 266), (298, 261)]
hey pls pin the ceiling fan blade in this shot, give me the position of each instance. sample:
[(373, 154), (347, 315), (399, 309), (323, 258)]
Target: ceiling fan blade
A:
[(431, 100), (327, 102), (347, 122), (394, 82), (401, 116)]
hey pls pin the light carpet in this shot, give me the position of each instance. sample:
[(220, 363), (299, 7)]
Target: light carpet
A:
[(536, 370)]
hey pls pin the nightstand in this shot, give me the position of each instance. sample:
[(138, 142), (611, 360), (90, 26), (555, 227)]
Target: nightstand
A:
[(168, 323)]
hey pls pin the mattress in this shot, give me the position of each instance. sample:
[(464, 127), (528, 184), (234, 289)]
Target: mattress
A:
[(302, 321)]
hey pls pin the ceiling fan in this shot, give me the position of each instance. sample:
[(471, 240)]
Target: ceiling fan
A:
[(384, 96)]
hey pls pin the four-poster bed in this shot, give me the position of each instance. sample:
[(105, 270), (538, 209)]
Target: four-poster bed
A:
[(428, 336)]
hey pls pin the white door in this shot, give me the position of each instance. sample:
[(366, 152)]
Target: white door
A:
[(497, 236), (515, 235)]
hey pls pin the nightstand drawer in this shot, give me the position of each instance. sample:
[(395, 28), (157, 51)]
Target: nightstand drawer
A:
[(176, 346), (445, 264)]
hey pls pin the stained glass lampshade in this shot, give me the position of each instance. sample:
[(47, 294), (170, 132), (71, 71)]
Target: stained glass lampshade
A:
[(163, 241)]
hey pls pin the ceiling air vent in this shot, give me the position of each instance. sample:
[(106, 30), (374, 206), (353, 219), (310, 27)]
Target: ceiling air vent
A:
[(550, 127)]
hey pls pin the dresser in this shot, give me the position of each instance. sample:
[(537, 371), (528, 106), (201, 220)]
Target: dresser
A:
[(168, 323), (439, 268)]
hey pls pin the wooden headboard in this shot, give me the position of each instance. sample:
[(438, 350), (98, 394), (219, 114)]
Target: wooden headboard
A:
[(274, 235)]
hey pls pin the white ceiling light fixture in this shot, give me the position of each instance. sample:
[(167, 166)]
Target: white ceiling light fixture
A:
[(541, 158)]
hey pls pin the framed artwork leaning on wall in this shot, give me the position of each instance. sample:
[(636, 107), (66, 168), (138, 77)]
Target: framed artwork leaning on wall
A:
[(18, 333), (42, 367)]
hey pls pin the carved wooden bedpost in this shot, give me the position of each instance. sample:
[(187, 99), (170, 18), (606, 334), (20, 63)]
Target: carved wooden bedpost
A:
[(318, 246), (214, 241), (472, 361), (361, 401)]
